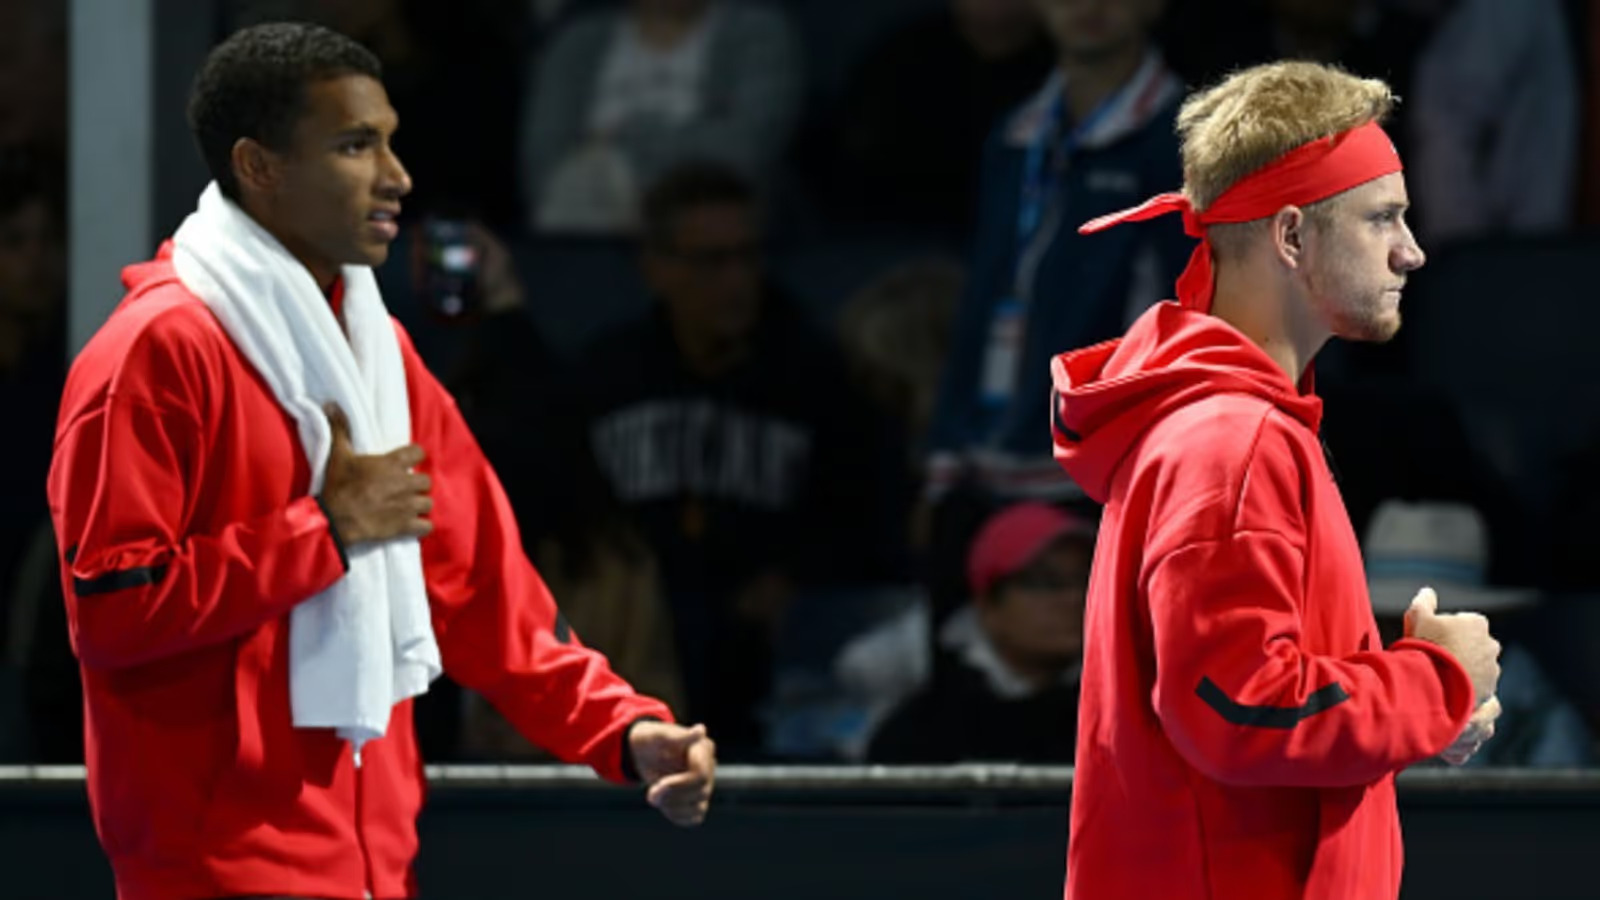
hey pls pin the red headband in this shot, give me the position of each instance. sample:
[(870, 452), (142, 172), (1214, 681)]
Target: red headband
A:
[(1304, 175)]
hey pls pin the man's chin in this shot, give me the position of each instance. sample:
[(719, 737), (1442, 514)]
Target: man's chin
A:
[(371, 255), (1373, 331)]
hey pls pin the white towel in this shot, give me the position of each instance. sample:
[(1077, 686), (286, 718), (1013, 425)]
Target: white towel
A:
[(366, 643)]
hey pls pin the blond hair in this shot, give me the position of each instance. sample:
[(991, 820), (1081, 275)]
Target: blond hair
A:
[(1256, 115)]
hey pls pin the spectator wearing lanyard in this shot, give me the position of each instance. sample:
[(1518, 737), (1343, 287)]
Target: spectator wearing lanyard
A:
[(1095, 137)]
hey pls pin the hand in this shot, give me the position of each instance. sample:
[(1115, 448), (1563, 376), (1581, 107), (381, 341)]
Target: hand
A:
[(373, 498), (497, 275), (1480, 728), (680, 766), (1464, 635)]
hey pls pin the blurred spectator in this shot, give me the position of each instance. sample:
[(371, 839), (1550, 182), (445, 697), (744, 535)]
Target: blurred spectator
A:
[(728, 430), (1495, 122), (1098, 137), (908, 143), (896, 334), (453, 72), (621, 95), (32, 372), (514, 393), (32, 261), (517, 396), (611, 597), (33, 74), (1445, 546), (1008, 689)]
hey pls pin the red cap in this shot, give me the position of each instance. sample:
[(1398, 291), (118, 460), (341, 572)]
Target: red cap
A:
[(1013, 537)]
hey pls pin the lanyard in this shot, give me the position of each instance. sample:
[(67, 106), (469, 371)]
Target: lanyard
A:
[(1043, 166)]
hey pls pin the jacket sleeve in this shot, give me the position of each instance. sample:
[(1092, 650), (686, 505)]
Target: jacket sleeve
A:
[(139, 585), (1236, 689), (498, 627)]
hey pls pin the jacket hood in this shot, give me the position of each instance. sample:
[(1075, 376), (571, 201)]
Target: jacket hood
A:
[(1107, 396), (139, 276)]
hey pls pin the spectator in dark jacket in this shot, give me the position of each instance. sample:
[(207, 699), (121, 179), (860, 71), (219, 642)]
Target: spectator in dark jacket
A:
[(727, 429), (1009, 690)]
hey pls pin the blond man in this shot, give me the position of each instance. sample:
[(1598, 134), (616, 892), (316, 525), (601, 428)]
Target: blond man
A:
[(1241, 721)]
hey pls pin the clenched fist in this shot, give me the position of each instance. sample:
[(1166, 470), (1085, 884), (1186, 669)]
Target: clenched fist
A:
[(1465, 635), (680, 766)]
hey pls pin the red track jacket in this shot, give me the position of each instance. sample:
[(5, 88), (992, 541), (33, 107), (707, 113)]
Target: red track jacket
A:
[(1240, 724), (179, 497)]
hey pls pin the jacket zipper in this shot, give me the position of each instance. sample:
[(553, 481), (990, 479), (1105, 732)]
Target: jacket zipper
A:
[(361, 831)]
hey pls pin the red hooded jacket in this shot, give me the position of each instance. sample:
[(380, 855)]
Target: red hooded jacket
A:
[(179, 496), (1241, 724)]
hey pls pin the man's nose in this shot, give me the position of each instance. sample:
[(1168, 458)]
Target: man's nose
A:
[(396, 179), (1408, 257)]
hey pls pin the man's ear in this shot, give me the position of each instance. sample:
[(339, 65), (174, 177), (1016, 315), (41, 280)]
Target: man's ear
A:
[(256, 167), (1288, 235)]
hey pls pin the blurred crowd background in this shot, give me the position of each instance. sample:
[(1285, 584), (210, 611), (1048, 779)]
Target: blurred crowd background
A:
[(751, 305)]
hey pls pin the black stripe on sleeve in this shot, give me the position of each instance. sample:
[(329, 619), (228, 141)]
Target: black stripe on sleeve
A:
[(118, 581), (563, 630), (1269, 716)]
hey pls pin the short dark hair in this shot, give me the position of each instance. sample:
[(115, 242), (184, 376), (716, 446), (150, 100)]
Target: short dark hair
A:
[(687, 186), (253, 85)]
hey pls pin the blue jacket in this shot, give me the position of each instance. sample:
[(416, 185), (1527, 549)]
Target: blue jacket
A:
[(1083, 289)]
